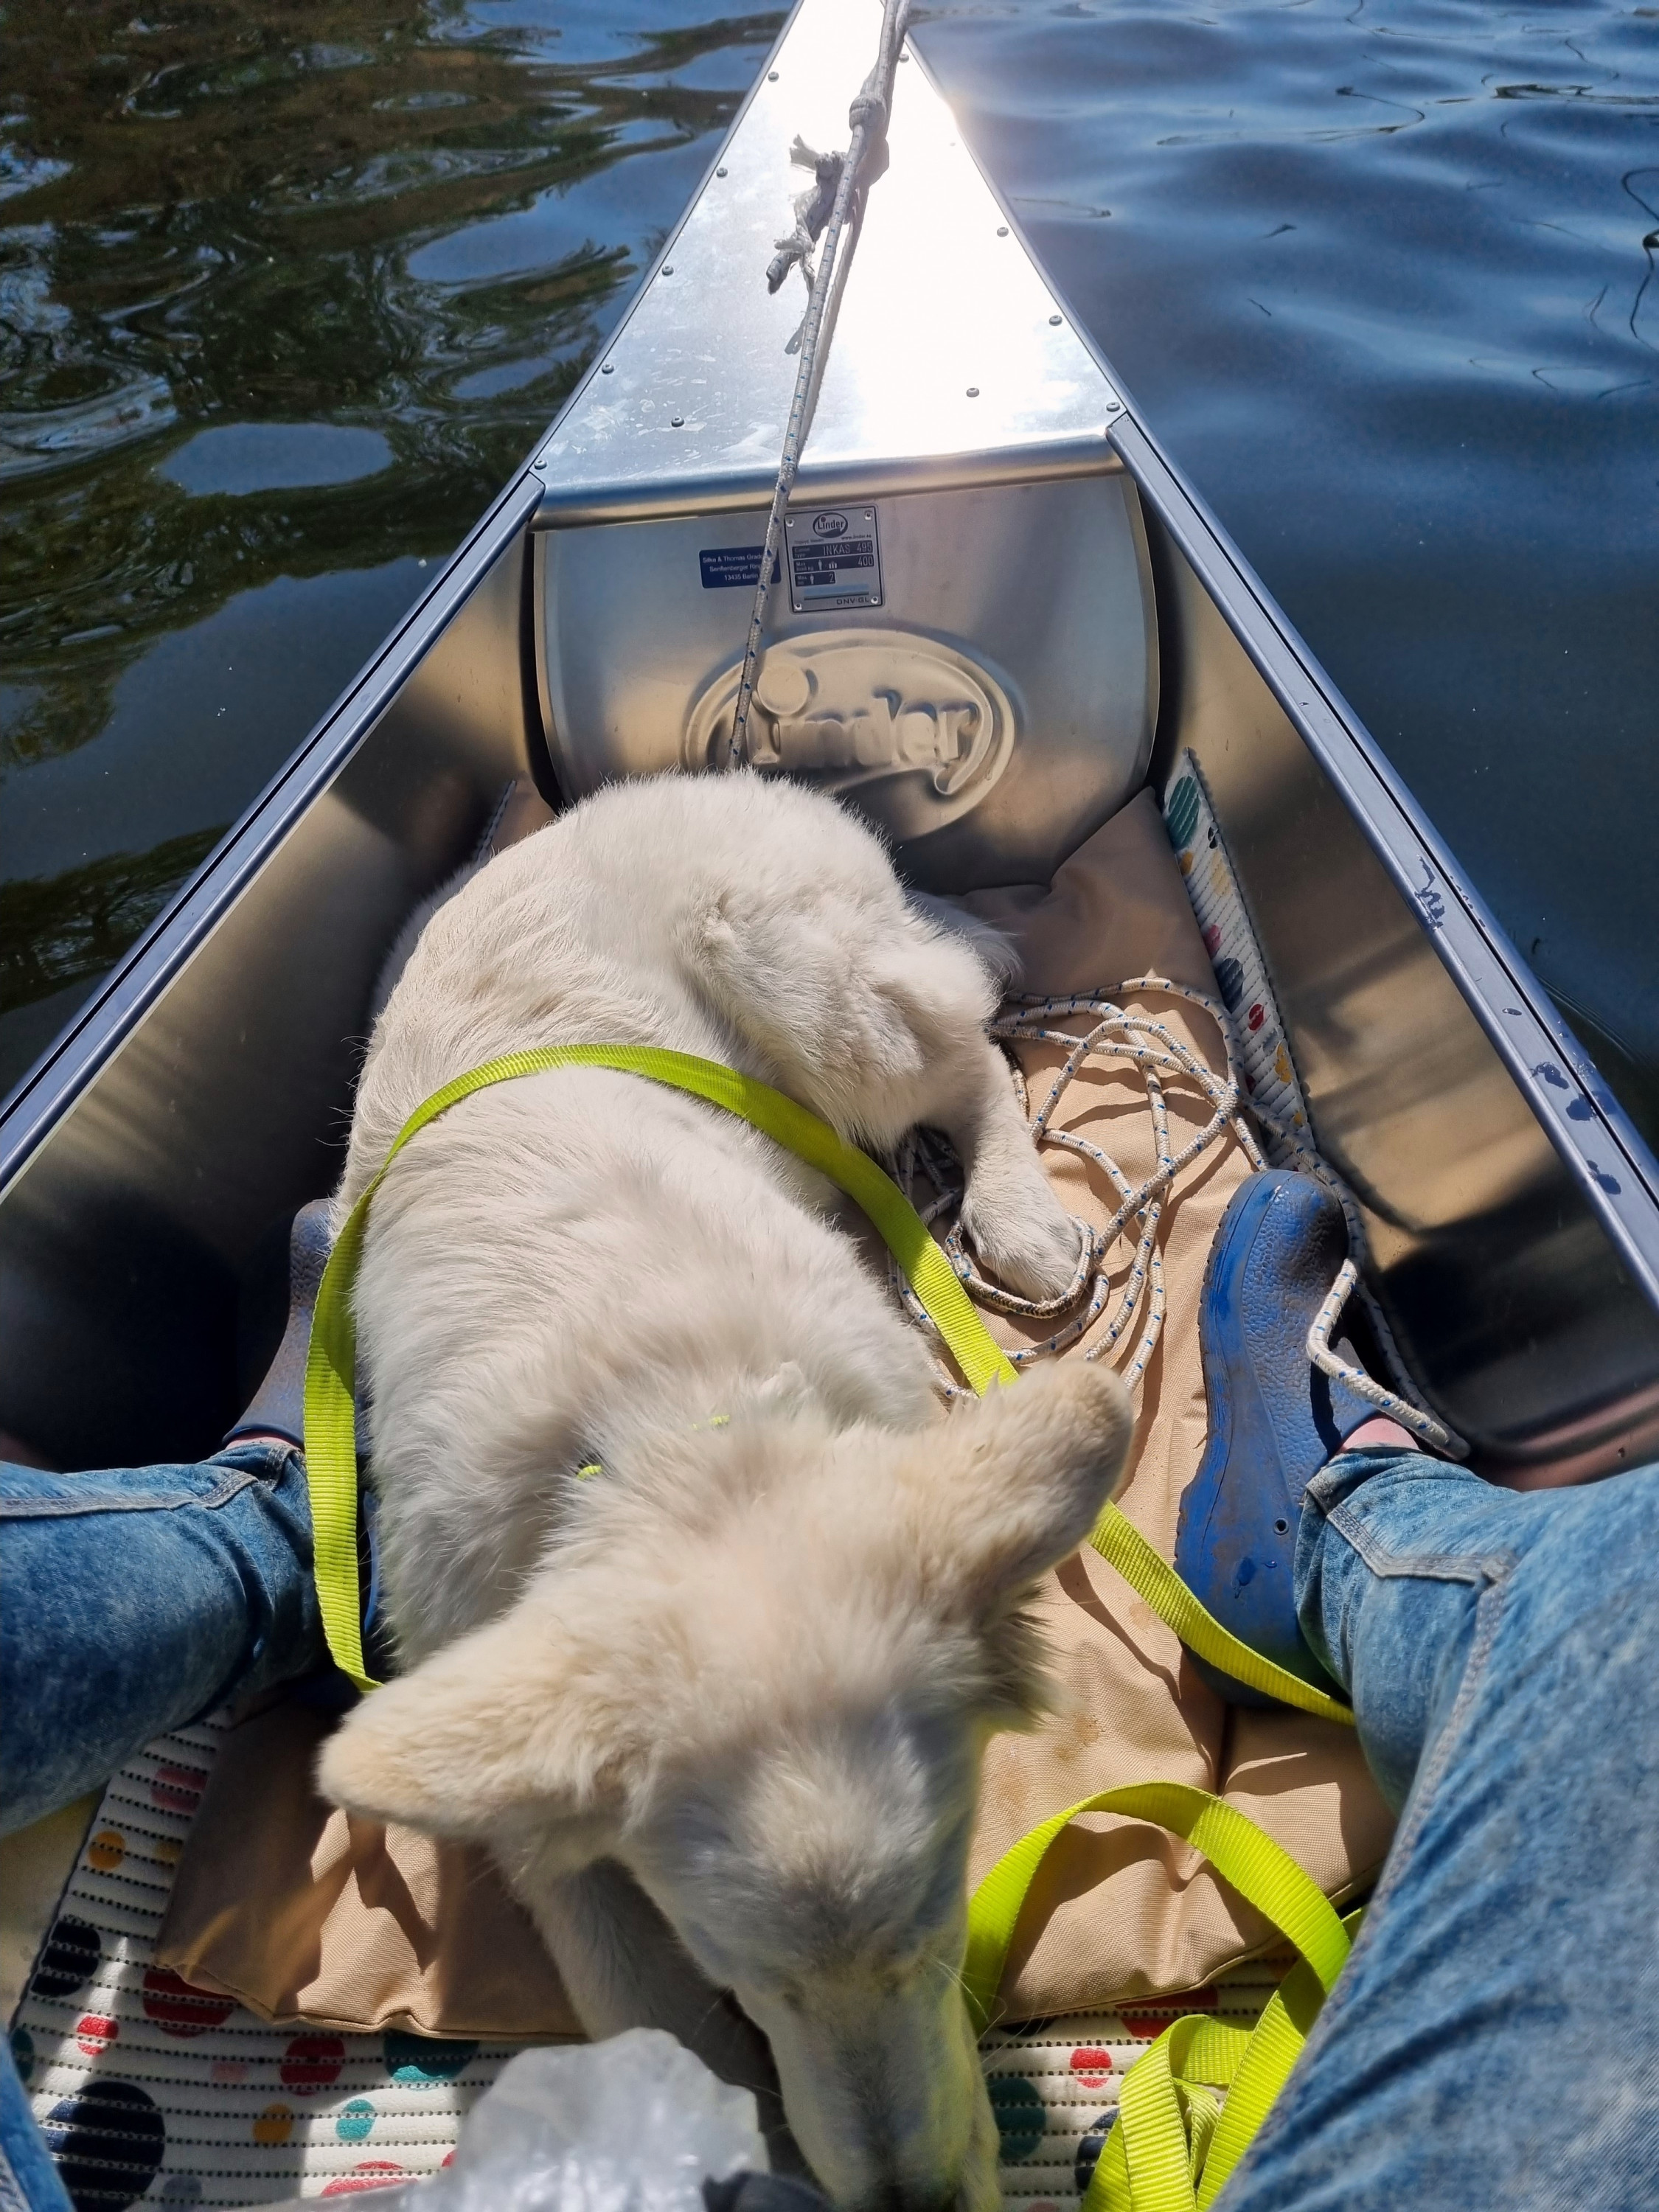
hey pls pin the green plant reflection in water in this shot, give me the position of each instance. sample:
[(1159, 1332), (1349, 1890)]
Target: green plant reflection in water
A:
[(68, 929), (326, 215)]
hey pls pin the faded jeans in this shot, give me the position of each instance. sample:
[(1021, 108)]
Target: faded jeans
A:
[(1494, 2039), (135, 1600)]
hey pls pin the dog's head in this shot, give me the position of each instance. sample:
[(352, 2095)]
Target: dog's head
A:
[(769, 1703)]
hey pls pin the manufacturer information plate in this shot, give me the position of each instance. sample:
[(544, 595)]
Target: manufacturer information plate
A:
[(835, 558), (730, 567)]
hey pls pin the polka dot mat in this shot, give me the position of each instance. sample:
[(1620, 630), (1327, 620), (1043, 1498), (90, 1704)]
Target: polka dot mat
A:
[(149, 2090)]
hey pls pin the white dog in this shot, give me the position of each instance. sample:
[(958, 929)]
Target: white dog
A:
[(719, 1708)]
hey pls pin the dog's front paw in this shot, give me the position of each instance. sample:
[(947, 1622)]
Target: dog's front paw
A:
[(1036, 1253)]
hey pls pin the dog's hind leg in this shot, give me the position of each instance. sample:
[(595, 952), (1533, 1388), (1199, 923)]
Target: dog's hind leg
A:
[(623, 1967)]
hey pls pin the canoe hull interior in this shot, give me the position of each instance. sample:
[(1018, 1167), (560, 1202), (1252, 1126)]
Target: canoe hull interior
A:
[(133, 1249), (1062, 619), (1509, 1300)]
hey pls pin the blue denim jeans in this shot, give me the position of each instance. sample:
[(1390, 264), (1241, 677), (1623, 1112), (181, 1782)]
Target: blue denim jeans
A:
[(1494, 2038), (133, 1600)]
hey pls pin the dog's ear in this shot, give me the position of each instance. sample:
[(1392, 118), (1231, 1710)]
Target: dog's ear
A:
[(516, 1720), (1013, 1485)]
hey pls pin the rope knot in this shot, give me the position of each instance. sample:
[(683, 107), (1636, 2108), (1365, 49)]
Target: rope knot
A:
[(870, 109), (812, 211)]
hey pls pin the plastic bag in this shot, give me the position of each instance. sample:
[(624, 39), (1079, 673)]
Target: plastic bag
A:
[(634, 2124)]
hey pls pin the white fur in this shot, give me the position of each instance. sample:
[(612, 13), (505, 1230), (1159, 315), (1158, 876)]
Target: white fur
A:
[(718, 1710)]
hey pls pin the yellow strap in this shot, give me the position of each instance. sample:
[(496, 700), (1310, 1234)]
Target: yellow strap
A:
[(1119, 1542), (1167, 2119), (1167, 2143), (331, 1446), (1167, 2115), (1166, 2122), (1157, 2158), (1274, 2048), (1166, 2110), (1259, 1869)]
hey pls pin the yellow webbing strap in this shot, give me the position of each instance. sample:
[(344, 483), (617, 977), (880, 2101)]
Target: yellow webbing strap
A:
[(1122, 1544), (1268, 2056), (1168, 2137), (330, 1366), (1172, 2150), (1259, 1869), (1147, 2162)]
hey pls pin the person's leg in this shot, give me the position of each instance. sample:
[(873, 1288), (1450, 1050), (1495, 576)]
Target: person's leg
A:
[(1494, 2039), (133, 1600)]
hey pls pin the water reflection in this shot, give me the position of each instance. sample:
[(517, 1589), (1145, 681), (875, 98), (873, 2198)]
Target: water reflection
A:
[(246, 457), (286, 294), (67, 929)]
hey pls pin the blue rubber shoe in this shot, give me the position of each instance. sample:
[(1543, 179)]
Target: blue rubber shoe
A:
[(1274, 1418)]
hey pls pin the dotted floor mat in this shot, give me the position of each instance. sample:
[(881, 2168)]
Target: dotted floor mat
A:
[(147, 2089)]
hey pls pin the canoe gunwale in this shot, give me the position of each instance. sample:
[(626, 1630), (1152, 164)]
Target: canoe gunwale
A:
[(1507, 999), (35, 1105), (33, 1109)]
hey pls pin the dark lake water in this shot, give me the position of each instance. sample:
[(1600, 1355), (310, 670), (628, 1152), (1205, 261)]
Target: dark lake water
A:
[(288, 288)]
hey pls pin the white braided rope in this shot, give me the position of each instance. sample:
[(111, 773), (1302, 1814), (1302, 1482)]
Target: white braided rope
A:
[(1117, 1033)]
